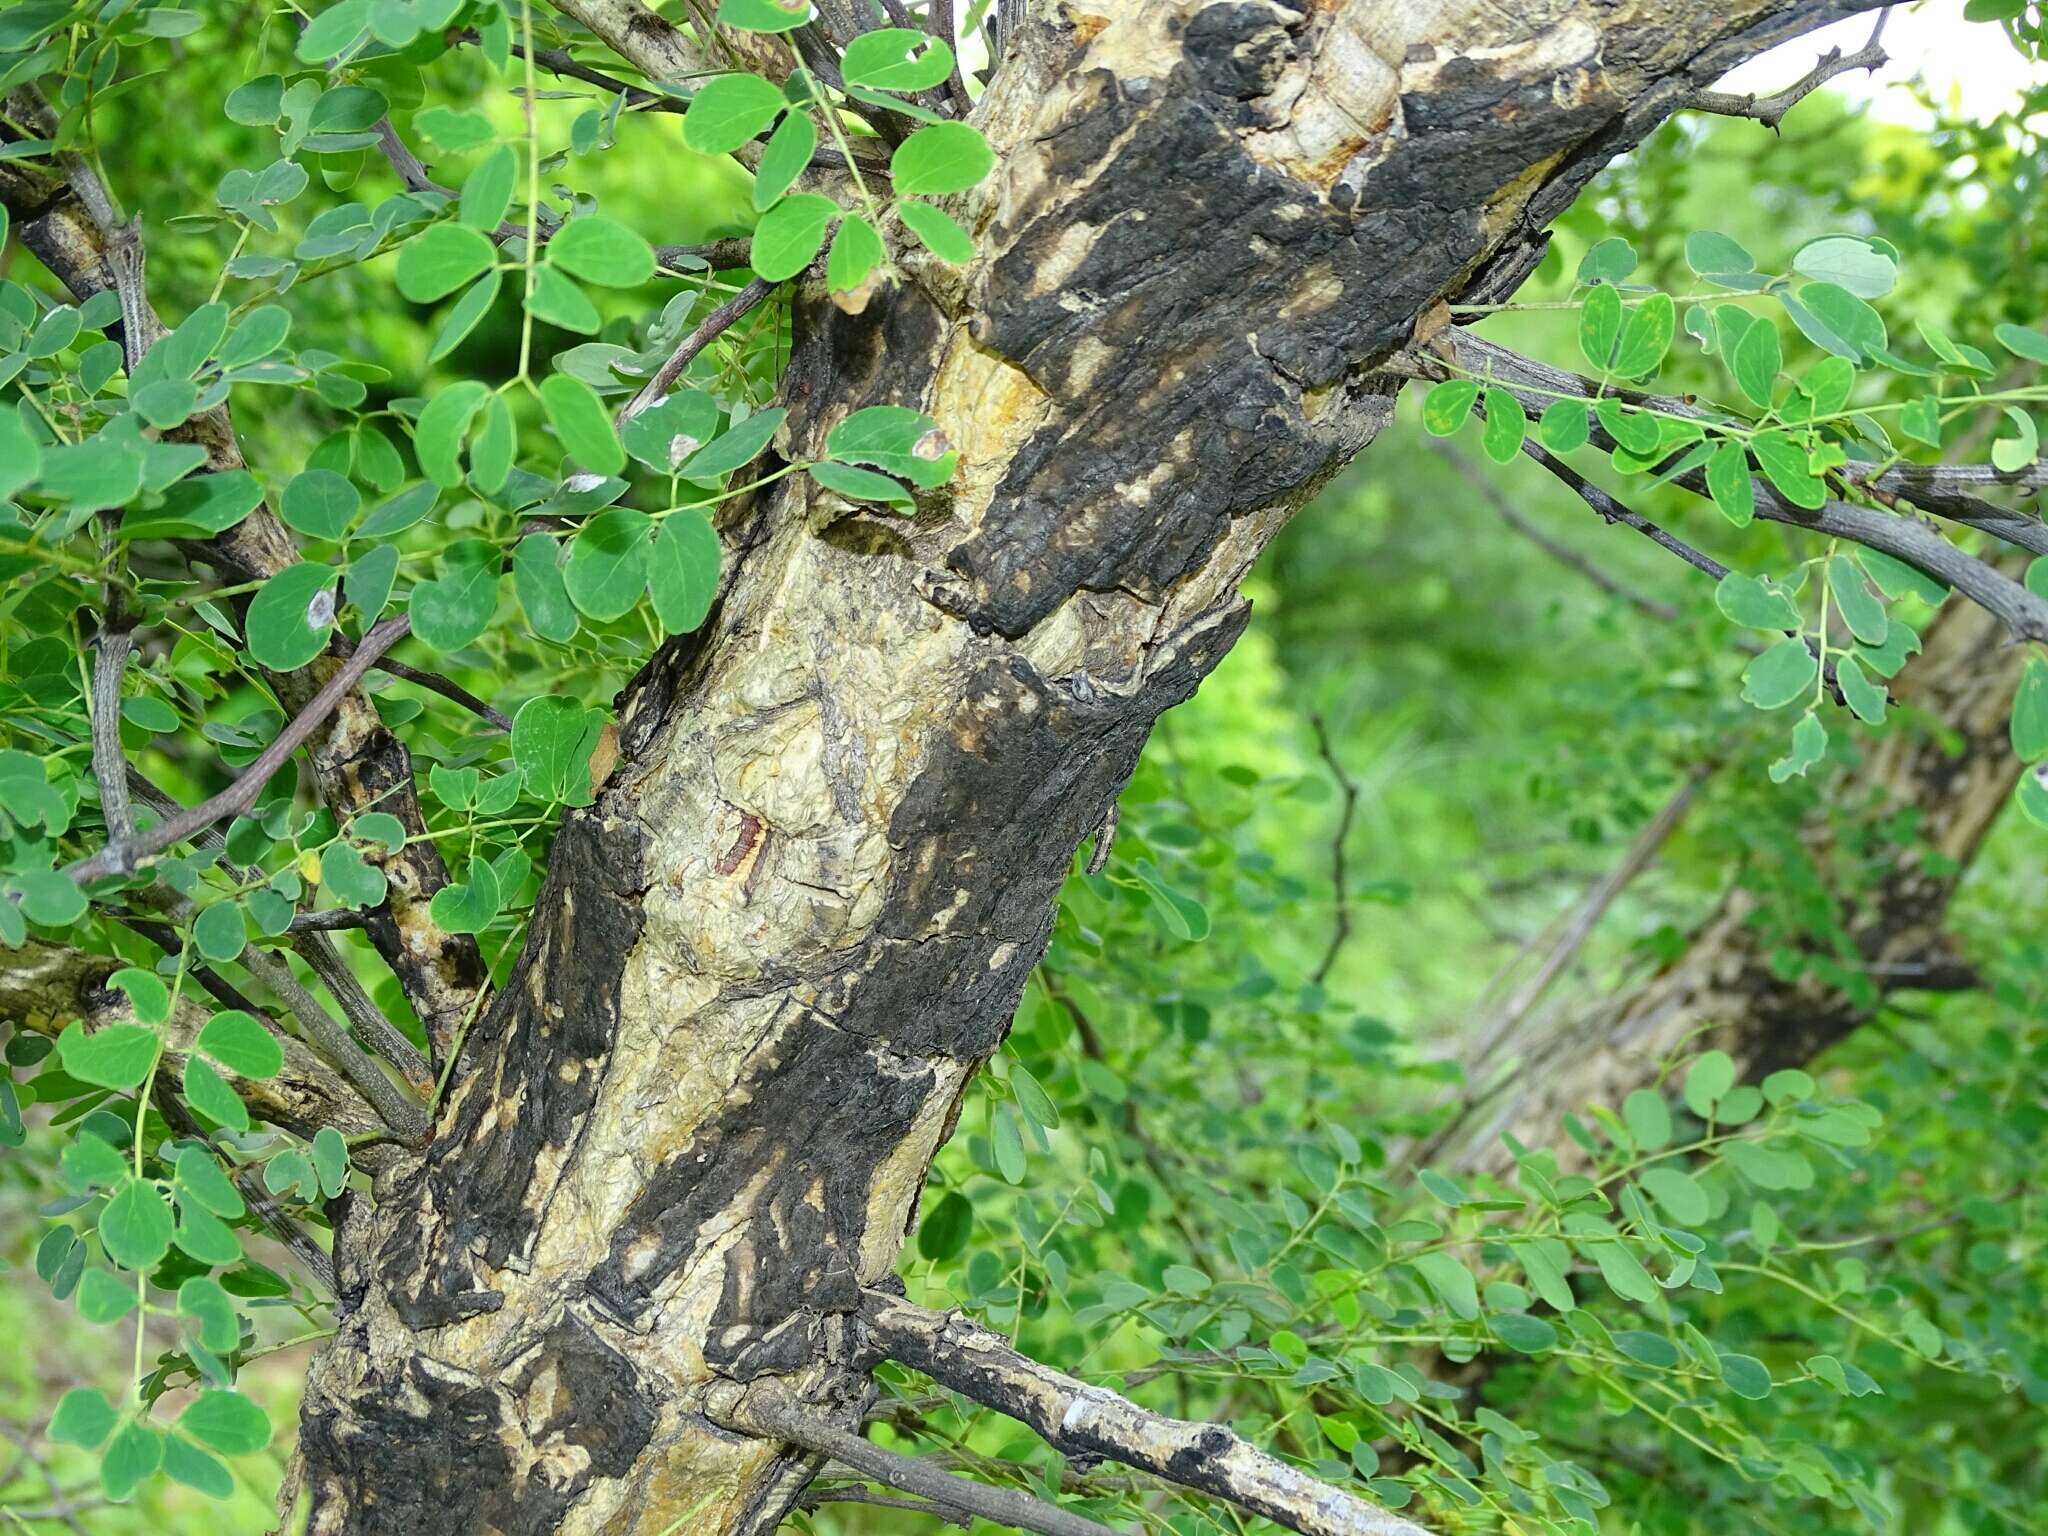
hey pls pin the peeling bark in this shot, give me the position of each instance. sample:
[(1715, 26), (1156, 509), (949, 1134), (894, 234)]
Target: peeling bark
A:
[(768, 960), (1950, 764)]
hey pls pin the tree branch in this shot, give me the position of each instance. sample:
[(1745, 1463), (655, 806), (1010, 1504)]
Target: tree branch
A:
[(1338, 883), (1771, 110), (1535, 384), (708, 330), (122, 857), (768, 1411), (1563, 553), (1083, 1421)]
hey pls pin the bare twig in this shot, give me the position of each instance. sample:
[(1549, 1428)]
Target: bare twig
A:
[(1339, 886), (122, 857), (718, 255), (769, 1411), (330, 920), (1563, 553), (1771, 110), (110, 659), (708, 330), (1614, 511), (62, 1509), (944, 1514), (1082, 1421)]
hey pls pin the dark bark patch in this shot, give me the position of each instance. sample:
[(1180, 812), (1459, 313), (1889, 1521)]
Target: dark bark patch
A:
[(478, 1195)]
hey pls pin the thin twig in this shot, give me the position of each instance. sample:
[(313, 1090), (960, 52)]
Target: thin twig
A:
[(1615, 511), (329, 920), (945, 1516), (1339, 885), (1771, 110), (450, 690), (767, 1410), (109, 762), (121, 857), (1563, 553), (708, 330)]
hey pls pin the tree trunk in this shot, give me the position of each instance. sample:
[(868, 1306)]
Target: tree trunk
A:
[(769, 959), (1950, 765)]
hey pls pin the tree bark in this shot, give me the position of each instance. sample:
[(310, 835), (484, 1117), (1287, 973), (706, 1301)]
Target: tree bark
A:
[(768, 960), (1949, 764)]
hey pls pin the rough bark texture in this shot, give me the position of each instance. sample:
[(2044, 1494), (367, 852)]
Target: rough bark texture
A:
[(769, 959), (1950, 761)]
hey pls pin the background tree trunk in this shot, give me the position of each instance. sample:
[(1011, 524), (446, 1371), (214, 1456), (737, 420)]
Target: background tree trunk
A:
[(1949, 764), (769, 959)]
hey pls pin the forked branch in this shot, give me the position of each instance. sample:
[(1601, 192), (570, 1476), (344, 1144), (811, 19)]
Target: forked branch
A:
[(1770, 110)]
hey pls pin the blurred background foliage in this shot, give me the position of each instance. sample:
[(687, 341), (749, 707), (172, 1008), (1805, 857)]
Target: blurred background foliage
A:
[(1199, 1073)]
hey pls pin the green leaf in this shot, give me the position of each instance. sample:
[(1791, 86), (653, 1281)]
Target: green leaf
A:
[(940, 234), (330, 1160), (1446, 406), (204, 1301), (552, 739), (368, 582), (227, 1422), (185, 1463), (487, 193), (1746, 1376), (208, 1092), (440, 259), (468, 906), (856, 252), (351, 879), (790, 235), (580, 421), (608, 563), (84, 1418), (1522, 1333), (740, 445), (1755, 362), (2032, 794), (454, 608), (443, 425), (91, 476), (220, 933), (1782, 674), (1648, 1121), (1607, 261), (116, 1056), (203, 1236), (896, 59), (238, 1042), (135, 1226), (1637, 432), (291, 616), (728, 110), (789, 150), (602, 252), (1756, 603), (1710, 1078), (2029, 713), (200, 1179), (669, 431), (1679, 1193), (332, 32), (1600, 326), (1897, 579), (132, 1456), (1786, 465), (2021, 342), (256, 103), (896, 440), (464, 314), (1809, 746), (1646, 337), (1622, 1270), (320, 504), (1006, 1142), (861, 484), (1847, 326), (945, 1228), (1565, 425), (1859, 606), (1506, 426), (682, 570), (1847, 262), (940, 158), (103, 1299), (1712, 255), (558, 301), (2015, 453), (1452, 1282), (543, 595), (763, 15)]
